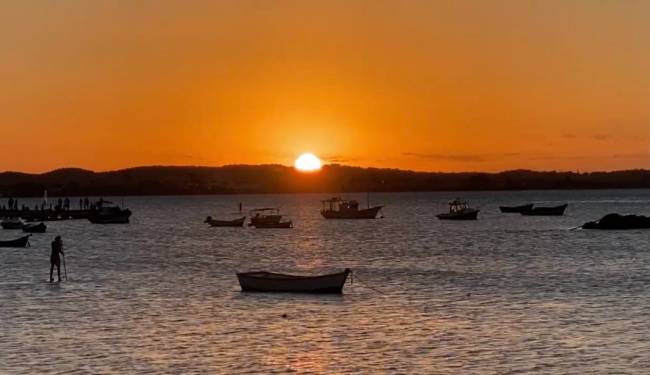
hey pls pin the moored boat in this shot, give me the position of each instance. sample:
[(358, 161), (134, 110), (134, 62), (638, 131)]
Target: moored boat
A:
[(278, 225), (459, 210), (263, 281), (110, 215), (516, 209), (225, 223), (19, 242), (35, 228), (616, 221), (546, 211), (338, 208), (12, 223), (267, 217)]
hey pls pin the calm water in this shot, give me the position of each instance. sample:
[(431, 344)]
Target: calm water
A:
[(504, 294)]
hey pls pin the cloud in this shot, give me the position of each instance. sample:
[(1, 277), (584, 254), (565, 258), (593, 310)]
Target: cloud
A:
[(465, 158), (632, 156)]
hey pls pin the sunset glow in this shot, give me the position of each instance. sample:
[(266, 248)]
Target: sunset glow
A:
[(421, 85), (307, 162)]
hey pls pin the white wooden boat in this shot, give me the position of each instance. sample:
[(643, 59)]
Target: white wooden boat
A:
[(263, 281)]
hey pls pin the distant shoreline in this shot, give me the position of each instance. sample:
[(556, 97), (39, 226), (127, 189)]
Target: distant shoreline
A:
[(278, 179)]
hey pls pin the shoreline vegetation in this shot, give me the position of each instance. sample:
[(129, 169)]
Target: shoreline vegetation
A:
[(273, 179)]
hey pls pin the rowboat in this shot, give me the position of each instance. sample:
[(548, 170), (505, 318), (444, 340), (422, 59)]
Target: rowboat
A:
[(12, 223), (263, 281), (616, 221), (459, 210), (546, 211), (338, 208), (19, 242), (225, 223), (35, 228), (516, 209)]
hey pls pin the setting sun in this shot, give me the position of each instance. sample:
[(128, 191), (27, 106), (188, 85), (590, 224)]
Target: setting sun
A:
[(307, 162)]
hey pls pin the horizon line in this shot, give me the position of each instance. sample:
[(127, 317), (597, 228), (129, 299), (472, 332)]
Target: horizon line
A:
[(577, 171)]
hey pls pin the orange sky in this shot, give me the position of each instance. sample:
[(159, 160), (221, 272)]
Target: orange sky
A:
[(424, 85)]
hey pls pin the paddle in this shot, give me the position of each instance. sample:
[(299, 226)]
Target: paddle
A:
[(65, 269)]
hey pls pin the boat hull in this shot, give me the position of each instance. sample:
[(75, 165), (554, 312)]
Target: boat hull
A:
[(35, 228), (619, 222), (469, 215), (19, 242), (368, 213), (227, 223), (280, 283), (546, 211), (280, 225), (516, 209)]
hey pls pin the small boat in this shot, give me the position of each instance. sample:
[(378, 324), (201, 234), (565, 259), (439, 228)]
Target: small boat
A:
[(459, 210), (35, 228), (225, 223), (616, 221), (276, 282), (516, 209), (12, 223), (278, 225), (546, 211), (110, 215), (265, 216), (19, 242), (338, 208)]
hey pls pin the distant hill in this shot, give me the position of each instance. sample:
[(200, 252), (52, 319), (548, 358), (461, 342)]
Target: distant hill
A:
[(232, 179)]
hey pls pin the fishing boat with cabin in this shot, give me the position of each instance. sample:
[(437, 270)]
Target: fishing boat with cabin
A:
[(339, 208), (459, 210), (268, 217), (107, 213)]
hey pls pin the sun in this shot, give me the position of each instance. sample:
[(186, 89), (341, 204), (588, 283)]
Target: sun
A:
[(307, 162)]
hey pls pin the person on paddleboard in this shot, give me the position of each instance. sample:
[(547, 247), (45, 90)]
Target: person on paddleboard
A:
[(55, 259)]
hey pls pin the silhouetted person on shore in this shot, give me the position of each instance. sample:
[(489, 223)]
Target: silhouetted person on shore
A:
[(55, 260)]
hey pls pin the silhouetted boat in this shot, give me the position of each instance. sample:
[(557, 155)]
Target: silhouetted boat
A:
[(35, 228), (459, 210), (516, 209), (616, 221), (19, 242), (277, 282), (278, 225), (267, 215), (12, 223), (225, 223), (546, 211), (337, 208), (110, 215)]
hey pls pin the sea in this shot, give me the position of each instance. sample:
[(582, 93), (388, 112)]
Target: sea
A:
[(505, 294)]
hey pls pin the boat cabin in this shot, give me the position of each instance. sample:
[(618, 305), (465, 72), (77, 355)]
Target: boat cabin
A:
[(265, 215), (337, 204), (457, 206)]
